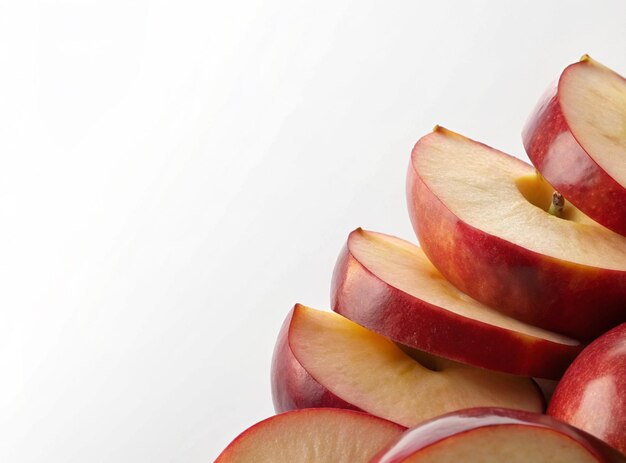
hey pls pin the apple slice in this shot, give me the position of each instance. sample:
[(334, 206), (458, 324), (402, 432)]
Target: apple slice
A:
[(320, 435), (371, 373), (592, 393), (481, 218), (497, 435), (389, 286), (292, 386), (576, 137)]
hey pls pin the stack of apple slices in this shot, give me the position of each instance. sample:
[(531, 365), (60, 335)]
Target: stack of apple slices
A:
[(519, 268)]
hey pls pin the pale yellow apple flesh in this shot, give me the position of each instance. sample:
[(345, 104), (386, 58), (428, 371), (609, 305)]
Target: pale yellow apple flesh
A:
[(602, 132), (406, 267), (372, 373), (312, 435), (502, 196), (511, 444)]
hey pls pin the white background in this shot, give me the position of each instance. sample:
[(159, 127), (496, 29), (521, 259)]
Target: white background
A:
[(175, 175)]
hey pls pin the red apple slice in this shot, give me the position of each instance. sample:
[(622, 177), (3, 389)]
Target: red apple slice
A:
[(577, 140), (292, 386), (592, 393), (481, 218), (371, 373), (389, 286), (320, 435), (497, 435)]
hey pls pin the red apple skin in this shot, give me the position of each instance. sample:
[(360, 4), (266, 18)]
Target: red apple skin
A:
[(565, 164), (592, 393), (362, 297), (572, 299), (438, 429), (292, 386)]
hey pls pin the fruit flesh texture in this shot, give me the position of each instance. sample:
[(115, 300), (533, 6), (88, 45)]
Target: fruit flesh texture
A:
[(592, 394), (511, 444), (482, 188), (316, 436), (372, 373), (576, 138), (292, 386), (478, 215), (388, 285), (595, 109)]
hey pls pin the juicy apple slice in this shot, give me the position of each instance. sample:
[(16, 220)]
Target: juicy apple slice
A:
[(389, 286), (292, 386), (497, 435), (592, 393), (576, 137), (320, 435), (373, 374), (481, 218)]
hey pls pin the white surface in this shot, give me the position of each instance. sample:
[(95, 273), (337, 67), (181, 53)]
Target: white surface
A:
[(174, 175)]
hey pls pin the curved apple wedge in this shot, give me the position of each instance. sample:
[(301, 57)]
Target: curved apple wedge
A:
[(292, 386), (497, 435), (320, 435), (373, 374), (482, 218), (389, 286), (577, 140)]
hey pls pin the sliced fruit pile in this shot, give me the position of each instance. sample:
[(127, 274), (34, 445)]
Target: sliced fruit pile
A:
[(520, 281)]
